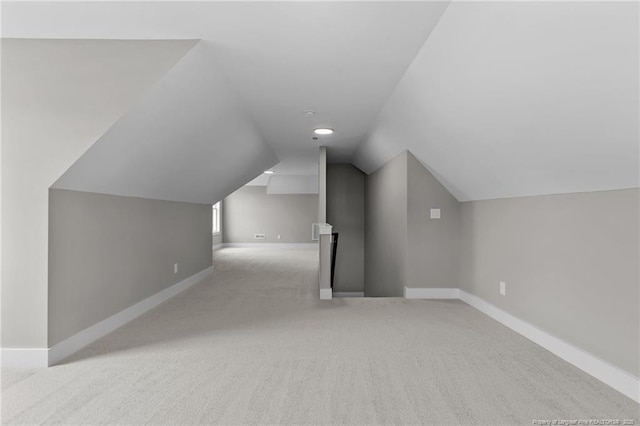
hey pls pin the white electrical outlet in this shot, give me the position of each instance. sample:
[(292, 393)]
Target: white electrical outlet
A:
[(503, 288), (260, 236), (278, 237), (435, 213), (175, 268)]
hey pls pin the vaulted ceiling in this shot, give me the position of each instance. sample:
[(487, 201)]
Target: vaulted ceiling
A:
[(509, 99), (497, 99)]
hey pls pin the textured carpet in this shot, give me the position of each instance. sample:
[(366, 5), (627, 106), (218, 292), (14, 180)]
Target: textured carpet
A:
[(254, 345)]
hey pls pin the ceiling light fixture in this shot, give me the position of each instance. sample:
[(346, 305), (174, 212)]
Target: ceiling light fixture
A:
[(268, 172), (323, 131)]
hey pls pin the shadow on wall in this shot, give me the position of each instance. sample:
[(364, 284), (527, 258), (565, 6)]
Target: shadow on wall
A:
[(405, 246), (250, 288), (107, 253)]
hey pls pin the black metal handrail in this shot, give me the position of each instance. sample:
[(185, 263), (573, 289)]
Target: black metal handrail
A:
[(334, 250)]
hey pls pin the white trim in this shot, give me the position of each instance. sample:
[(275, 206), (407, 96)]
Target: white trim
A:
[(24, 357), (273, 245), (324, 229), (607, 373), (217, 247), (104, 327), (431, 293), (325, 294), (348, 294)]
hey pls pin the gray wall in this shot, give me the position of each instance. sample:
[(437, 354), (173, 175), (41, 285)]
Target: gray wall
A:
[(403, 245), (250, 211), (345, 212), (107, 253), (570, 263), (433, 244), (386, 229)]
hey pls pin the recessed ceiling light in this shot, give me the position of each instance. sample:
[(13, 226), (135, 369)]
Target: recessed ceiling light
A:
[(323, 131), (268, 172)]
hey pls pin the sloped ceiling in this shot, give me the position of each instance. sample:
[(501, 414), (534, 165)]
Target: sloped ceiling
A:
[(340, 59), (510, 99), (59, 97), (501, 99), (188, 139)]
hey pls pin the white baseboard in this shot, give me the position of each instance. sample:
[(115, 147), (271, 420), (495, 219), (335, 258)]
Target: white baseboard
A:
[(431, 293), (43, 357), (104, 327), (326, 294), (217, 247), (348, 294), (273, 245), (607, 373)]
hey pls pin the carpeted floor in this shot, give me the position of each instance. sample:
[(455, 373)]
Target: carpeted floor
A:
[(254, 345)]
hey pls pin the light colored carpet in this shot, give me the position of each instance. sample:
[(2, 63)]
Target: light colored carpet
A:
[(254, 345)]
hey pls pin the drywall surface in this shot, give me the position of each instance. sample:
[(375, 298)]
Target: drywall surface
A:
[(107, 253), (322, 185), (188, 139), (345, 212), (570, 264), (433, 244), (520, 98), (58, 98), (270, 51), (250, 210), (386, 229), (292, 184)]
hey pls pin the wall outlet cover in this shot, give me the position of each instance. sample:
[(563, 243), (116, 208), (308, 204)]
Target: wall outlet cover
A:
[(503, 288), (260, 236), (175, 268), (435, 213)]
